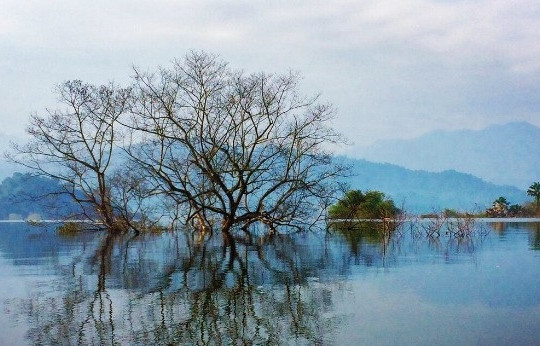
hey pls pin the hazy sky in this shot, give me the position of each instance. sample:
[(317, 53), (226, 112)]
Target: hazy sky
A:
[(392, 68)]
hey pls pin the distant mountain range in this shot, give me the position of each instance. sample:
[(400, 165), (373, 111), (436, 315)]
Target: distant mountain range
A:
[(22, 195), (422, 191), (502, 154)]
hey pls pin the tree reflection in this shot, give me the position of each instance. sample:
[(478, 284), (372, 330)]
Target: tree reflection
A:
[(231, 288), (370, 242), (499, 227), (534, 235), (170, 290), (385, 244), (533, 229)]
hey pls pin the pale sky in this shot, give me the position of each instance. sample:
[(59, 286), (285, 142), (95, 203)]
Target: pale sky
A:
[(391, 68)]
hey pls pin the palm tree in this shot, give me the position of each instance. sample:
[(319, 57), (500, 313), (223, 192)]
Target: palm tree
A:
[(502, 202), (534, 191), (500, 207)]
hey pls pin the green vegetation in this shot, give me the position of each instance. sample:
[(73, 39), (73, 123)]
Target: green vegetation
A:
[(502, 208), (499, 208), (358, 205), (453, 213), (515, 209), (534, 191), (457, 214), (364, 217), (68, 229)]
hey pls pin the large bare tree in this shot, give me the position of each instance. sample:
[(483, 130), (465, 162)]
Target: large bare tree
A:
[(220, 147), (76, 144), (231, 147)]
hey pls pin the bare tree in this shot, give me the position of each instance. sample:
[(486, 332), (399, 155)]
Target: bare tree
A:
[(77, 146), (218, 146), (231, 147)]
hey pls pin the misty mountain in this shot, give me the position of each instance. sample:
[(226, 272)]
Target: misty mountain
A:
[(419, 191), (422, 191), (502, 154), (25, 196), (7, 168)]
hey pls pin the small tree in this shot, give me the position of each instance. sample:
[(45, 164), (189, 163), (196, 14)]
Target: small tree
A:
[(515, 210), (501, 202), (76, 146), (534, 191), (349, 206)]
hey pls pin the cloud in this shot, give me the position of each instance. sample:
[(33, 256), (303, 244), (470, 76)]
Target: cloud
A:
[(391, 67), (503, 30)]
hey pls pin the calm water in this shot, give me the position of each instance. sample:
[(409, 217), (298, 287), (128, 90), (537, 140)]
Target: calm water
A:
[(348, 287)]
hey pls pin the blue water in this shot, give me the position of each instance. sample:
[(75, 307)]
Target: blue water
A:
[(343, 287)]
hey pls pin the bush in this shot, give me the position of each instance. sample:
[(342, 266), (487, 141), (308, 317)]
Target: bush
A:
[(69, 229), (357, 205)]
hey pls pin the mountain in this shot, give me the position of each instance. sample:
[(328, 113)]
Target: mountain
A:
[(502, 154), (25, 196), (21, 195), (422, 191)]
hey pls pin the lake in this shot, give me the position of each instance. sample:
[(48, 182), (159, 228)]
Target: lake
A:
[(344, 287)]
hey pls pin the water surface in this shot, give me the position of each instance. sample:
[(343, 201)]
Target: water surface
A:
[(344, 287)]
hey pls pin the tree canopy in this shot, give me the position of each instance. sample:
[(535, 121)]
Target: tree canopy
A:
[(534, 191), (358, 205)]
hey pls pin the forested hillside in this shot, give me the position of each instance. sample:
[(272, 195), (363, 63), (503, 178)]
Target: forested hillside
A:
[(25, 196), (422, 191)]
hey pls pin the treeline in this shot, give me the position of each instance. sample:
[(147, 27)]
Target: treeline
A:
[(24, 196), (503, 208), (375, 205)]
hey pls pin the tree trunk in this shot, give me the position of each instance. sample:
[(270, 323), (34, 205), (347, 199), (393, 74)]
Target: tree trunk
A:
[(226, 224)]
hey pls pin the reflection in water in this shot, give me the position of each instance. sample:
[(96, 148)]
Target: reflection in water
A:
[(168, 289), (532, 228), (174, 288), (499, 227), (383, 245), (534, 235)]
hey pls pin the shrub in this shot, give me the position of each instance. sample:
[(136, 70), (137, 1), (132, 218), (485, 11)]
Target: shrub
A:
[(69, 229)]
